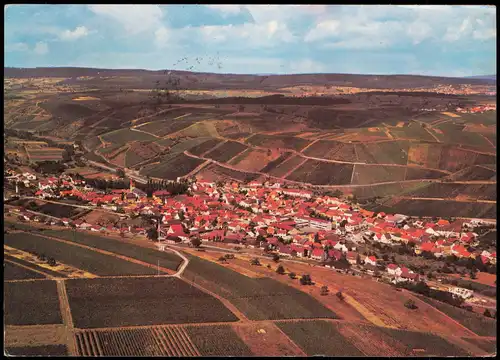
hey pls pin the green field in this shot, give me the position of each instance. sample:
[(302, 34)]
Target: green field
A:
[(124, 136)]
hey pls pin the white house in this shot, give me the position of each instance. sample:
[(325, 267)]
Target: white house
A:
[(463, 293), (393, 269), (320, 224)]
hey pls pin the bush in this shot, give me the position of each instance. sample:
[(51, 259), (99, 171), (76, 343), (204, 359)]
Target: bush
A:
[(280, 270), (340, 295), (292, 275), (410, 304)]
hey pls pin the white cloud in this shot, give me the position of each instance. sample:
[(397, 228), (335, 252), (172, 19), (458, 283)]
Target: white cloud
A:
[(134, 18), (162, 36), (323, 30), (283, 13), (484, 34), (41, 48), (16, 47), (419, 31), (80, 31), (252, 35), (306, 66)]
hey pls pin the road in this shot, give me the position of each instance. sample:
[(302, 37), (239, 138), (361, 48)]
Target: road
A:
[(187, 153), (61, 203)]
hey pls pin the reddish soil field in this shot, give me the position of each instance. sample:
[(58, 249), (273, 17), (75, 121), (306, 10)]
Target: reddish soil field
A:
[(381, 299), (482, 278), (266, 339), (322, 173), (254, 160), (332, 150)]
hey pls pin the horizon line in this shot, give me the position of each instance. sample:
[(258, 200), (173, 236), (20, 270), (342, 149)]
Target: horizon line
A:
[(229, 73)]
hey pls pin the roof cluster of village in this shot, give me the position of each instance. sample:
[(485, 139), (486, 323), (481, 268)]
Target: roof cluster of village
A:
[(477, 109), (290, 222)]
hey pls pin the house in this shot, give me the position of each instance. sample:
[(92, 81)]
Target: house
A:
[(318, 254), (320, 224), (284, 250), (299, 250), (352, 257), (463, 293), (406, 275), (296, 192), (334, 254), (392, 269), (372, 260)]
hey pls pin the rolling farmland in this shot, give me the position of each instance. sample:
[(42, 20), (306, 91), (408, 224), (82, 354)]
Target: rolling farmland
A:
[(319, 338), (43, 350), (477, 323), (441, 208), (152, 341), (322, 173), (40, 307), (81, 258), (151, 256), (366, 174), (220, 340), (205, 146), (125, 136), (15, 272), (99, 303), (332, 150), (172, 167), (226, 151), (258, 299), (278, 141), (286, 166)]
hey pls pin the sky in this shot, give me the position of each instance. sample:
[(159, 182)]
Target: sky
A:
[(439, 40)]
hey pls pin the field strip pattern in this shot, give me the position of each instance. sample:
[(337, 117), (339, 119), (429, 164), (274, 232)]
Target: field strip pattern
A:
[(66, 315), (30, 269), (147, 341), (364, 311), (105, 252), (67, 270)]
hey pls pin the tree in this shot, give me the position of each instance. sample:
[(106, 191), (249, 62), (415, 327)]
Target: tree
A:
[(152, 234), (276, 258), (430, 276), (473, 274), (255, 261), (120, 173), (222, 259), (316, 238), (292, 275), (487, 313), (280, 270), (410, 304), (324, 290), (339, 295), (52, 262), (306, 279), (42, 257), (196, 242)]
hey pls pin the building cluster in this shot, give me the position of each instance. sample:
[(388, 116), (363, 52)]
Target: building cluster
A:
[(476, 109), (289, 222)]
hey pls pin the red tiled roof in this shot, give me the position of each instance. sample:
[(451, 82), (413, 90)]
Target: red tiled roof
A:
[(317, 252)]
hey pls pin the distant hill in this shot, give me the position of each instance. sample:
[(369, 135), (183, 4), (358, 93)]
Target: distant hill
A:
[(192, 80), (488, 78)]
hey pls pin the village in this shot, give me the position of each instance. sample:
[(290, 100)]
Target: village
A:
[(283, 222)]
